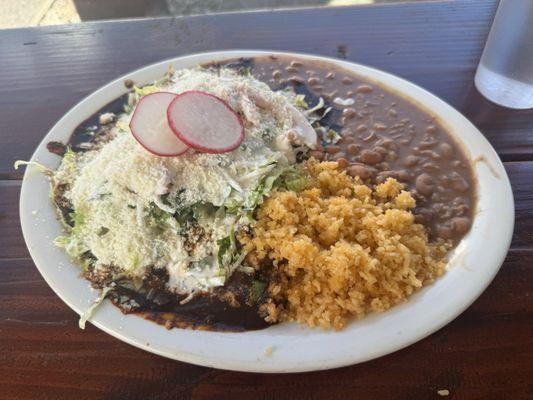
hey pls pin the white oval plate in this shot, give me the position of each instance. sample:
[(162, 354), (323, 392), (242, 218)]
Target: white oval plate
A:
[(293, 347)]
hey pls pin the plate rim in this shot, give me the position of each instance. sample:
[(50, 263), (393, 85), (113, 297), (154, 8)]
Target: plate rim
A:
[(204, 360)]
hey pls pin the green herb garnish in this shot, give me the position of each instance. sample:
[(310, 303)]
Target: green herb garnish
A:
[(256, 290)]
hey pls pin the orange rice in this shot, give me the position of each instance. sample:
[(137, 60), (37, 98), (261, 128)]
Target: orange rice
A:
[(341, 249)]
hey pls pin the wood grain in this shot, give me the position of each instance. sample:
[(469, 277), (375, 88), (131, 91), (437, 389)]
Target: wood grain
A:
[(45, 71), (484, 353), (521, 176), (12, 242)]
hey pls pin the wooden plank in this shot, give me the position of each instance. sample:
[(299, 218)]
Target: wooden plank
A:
[(521, 177), (520, 174), (12, 242), (44, 71), (484, 353)]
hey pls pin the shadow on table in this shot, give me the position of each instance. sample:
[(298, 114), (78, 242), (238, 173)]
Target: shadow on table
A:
[(494, 120)]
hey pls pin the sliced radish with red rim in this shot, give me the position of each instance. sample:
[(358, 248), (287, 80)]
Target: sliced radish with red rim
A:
[(149, 125), (205, 122)]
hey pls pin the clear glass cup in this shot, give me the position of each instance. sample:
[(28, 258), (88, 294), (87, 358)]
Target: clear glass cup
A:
[(505, 71)]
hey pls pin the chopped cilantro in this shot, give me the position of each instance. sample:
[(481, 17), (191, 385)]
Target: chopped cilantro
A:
[(156, 216), (256, 290), (223, 246), (173, 199)]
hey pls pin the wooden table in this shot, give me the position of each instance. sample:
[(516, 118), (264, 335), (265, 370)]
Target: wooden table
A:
[(487, 352)]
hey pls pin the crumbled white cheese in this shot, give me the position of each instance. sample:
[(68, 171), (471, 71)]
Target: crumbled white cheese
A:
[(268, 351), (113, 188), (343, 102), (106, 118)]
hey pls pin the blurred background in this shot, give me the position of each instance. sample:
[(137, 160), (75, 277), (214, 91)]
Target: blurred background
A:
[(23, 13)]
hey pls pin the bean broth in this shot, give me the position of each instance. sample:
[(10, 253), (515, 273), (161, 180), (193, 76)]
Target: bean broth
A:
[(382, 134)]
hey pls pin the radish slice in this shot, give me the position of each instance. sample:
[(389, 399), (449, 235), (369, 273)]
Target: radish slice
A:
[(149, 126), (205, 122)]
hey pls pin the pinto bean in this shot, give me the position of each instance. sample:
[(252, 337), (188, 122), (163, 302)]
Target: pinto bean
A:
[(459, 183), (346, 81), (460, 224), (362, 171), (343, 162), (446, 150), (381, 150), (333, 149), (371, 157), (424, 184), (349, 113), (364, 89), (411, 161), (317, 154), (352, 149)]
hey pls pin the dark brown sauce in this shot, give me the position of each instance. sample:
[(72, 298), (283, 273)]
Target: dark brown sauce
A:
[(380, 132), (204, 313), (209, 312), (89, 129)]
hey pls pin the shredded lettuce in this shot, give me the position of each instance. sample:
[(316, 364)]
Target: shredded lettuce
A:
[(87, 314), (233, 205), (261, 191), (69, 164), (286, 178), (35, 164), (122, 126), (69, 155), (317, 107), (74, 243), (143, 91), (78, 217), (312, 113), (157, 217), (271, 176), (293, 179), (299, 101), (227, 249), (167, 77), (203, 212)]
